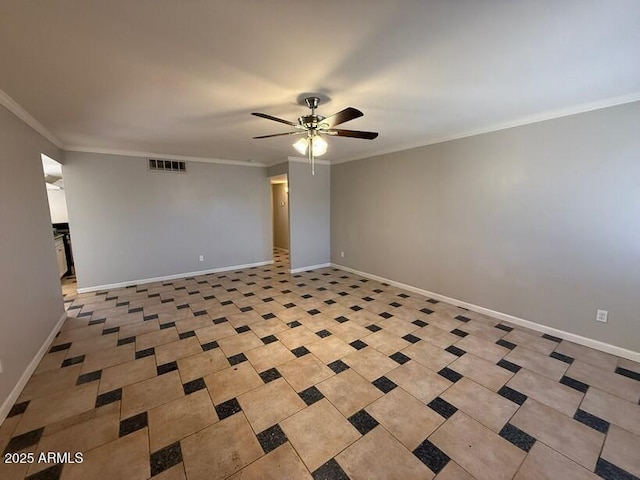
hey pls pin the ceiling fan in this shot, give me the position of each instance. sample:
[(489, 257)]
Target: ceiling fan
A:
[(313, 127)]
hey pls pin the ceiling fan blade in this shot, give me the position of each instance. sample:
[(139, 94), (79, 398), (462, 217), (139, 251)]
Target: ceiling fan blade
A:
[(281, 134), (275, 119), (352, 133), (342, 116)]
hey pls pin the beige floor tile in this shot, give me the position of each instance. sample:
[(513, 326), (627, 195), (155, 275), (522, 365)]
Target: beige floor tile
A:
[(109, 357), (193, 323), (122, 320), (127, 373), (379, 455), (629, 365), (600, 359), (622, 448), (349, 331), (202, 364), (51, 361), (231, 382), (281, 463), (174, 473), (269, 404), (179, 418), (142, 396), (77, 334), (239, 343), (480, 403), (318, 433), (419, 381), (296, 337), (544, 463), (482, 330), (429, 355), (170, 352), (610, 382), (269, 356), (136, 329), (92, 345), (6, 430), (477, 449), (370, 363), (330, 349), (386, 342), (220, 450), (215, 332), (50, 382), (159, 337), (305, 372), (482, 348), (245, 318), (132, 452), (453, 471), (291, 314), (408, 419), (580, 443), (530, 341), (101, 428), (396, 326), (436, 336), (268, 327), (546, 391), (481, 371), (349, 392), (57, 406), (537, 362), (612, 409)]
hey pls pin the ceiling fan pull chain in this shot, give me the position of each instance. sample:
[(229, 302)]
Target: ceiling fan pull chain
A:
[(311, 156)]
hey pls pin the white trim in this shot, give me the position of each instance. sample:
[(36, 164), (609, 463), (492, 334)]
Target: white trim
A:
[(572, 337), (162, 156), (111, 286), (310, 267), (306, 160), (541, 117), (13, 106), (24, 378)]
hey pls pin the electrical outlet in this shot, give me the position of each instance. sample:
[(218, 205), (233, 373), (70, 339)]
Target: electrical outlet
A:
[(342, 254), (201, 258), (601, 316)]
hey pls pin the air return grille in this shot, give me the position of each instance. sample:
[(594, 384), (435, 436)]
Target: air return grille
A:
[(167, 165)]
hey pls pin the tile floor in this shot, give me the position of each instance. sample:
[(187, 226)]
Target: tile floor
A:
[(323, 374)]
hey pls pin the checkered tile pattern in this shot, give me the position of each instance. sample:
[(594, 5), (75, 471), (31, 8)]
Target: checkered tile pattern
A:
[(321, 374)]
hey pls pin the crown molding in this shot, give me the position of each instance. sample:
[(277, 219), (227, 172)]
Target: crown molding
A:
[(161, 156), (13, 106), (541, 117)]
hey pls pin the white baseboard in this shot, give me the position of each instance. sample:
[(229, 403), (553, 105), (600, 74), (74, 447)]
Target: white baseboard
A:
[(142, 281), (572, 337), (24, 378), (310, 267)]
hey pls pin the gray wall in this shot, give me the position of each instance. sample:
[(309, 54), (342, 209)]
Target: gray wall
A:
[(128, 223), (30, 293), (280, 215), (540, 221), (309, 213)]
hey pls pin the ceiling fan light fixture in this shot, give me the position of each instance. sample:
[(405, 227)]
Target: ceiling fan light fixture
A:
[(319, 146), (302, 145)]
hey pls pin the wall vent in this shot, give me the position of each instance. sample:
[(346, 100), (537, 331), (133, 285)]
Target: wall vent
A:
[(159, 165)]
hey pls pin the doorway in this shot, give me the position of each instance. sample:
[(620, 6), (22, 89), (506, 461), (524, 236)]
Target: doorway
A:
[(280, 219), (54, 182)]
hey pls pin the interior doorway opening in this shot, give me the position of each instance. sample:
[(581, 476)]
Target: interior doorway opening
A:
[(54, 183), (280, 219)]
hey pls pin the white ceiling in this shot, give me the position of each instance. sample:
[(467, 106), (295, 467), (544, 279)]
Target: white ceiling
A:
[(181, 77)]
